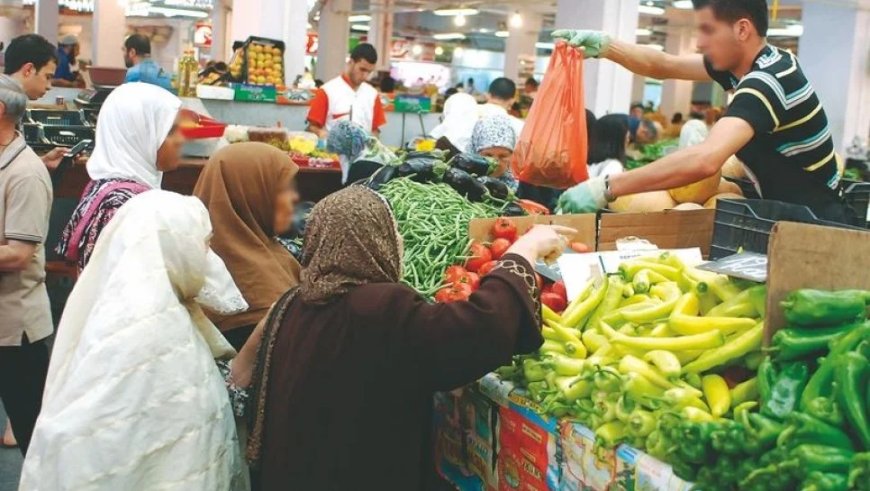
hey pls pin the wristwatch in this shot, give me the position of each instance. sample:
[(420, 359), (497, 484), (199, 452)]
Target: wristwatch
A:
[(608, 194)]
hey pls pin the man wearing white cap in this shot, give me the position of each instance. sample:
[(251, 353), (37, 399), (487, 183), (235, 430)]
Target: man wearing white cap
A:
[(67, 50)]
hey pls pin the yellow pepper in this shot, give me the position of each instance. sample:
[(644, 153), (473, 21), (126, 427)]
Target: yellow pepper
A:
[(665, 361), (707, 340), (717, 394), (641, 281), (632, 364), (687, 325), (587, 289), (549, 333), (661, 330), (585, 308), (549, 314), (593, 340), (737, 347), (695, 415), (634, 300), (631, 267)]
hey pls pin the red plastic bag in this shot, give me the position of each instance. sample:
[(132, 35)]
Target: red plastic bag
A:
[(552, 148)]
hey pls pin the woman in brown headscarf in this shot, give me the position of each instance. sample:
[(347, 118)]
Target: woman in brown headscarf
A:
[(349, 359), (249, 191)]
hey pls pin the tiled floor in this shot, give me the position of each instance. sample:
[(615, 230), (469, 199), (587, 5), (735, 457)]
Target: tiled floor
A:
[(10, 461)]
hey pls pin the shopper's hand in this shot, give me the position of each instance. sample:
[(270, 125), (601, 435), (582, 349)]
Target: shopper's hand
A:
[(594, 44), (545, 242), (586, 197), (53, 157)]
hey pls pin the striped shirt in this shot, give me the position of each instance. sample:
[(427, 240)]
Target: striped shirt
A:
[(792, 152)]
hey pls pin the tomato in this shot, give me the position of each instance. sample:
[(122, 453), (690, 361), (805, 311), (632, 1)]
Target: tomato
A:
[(453, 273), (504, 228), (456, 292), (486, 268), (559, 289), (499, 247), (480, 254), (547, 288), (580, 247), (554, 301), (472, 279)]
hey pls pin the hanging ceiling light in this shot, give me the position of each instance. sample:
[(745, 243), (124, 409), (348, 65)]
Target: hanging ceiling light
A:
[(642, 32), (360, 27), (449, 36), (459, 20), (455, 11), (549, 46), (650, 9), (417, 50), (516, 20), (683, 4), (439, 51), (502, 34), (793, 30), (359, 18), (458, 52), (657, 47)]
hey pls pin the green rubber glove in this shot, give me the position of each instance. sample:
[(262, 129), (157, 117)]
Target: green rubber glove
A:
[(593, 43), (586, 197)]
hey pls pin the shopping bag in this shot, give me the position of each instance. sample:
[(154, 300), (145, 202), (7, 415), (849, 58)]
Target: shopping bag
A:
[(552, 148)]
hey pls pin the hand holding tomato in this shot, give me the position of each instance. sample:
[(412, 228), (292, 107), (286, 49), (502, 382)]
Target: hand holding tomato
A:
[(545, 242)]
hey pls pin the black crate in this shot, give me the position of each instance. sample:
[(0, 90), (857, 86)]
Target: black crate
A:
[(52, 117), (857, 196), (32, 133), (67, 136), (746, 224), (90, 116)]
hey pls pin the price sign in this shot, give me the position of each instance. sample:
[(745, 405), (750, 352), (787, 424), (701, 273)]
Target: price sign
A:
[(747, 265)]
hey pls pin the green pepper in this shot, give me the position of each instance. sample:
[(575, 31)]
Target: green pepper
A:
[(729, 438), (795, 343), (781, 389), (859, 472), (804, 429), (694, 443), (824, 481), (763, 431), (777, 471), (850, 340), (822, 458), (534, 371), (851, 372), (825, 308), (826, 409), (820, 384)]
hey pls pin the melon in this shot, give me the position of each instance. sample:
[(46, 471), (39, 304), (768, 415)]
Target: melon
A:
[(711, 203), (688, 206), (698, 192), (729, 187), (641, 202), (733, 168)]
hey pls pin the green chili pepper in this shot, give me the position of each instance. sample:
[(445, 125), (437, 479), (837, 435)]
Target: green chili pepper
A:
[(848, 341), (534, 371), (859, 472), (825, 308), (823, 458), (851, 371), (804, 429), (795, 343), (825, 409), (744, 392), (781, 389), (824, 481)]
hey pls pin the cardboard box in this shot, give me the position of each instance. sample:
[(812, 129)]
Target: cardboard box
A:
[(479, 228), (669, 229), (583, 465), (811, 256), (528, 451), (481, 461)]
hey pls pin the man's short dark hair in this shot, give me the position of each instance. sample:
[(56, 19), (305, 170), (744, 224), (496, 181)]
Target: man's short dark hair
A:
[(734, 10), (364, 51), (503, 88), (531, 81), (637, 105), (29, 48), (139, 42)]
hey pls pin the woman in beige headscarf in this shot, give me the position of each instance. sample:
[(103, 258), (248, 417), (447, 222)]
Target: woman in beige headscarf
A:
[(250, 194), (350, 358)]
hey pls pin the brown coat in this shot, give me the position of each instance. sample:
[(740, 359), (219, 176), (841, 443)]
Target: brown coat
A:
[(362, 371)]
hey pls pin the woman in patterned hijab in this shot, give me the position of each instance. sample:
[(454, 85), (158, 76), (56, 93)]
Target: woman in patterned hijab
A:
[(349, 359), (494, 136)]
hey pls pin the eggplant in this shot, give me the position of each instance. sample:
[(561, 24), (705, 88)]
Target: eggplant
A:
[(513, 210), (422, 169), (474, 164), (465, 184), (496, 188), (381, 177)]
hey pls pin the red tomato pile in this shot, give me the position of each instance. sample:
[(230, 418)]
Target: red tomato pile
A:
[(555, 296), (462, 281)]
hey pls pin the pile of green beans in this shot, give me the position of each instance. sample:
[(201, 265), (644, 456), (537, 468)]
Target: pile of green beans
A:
[(433, 221)]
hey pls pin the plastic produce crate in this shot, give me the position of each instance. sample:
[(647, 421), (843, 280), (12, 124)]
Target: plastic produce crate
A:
[(67, 136), (52, 117), (33, 133), (746, 224), (747, 187), (90, 116), (857, 196)]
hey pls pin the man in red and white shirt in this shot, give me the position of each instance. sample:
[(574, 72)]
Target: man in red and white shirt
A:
[(348, 96)]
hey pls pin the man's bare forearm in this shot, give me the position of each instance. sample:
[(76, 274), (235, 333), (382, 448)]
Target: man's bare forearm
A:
[(677, 169), (656, 64), (15, 256)]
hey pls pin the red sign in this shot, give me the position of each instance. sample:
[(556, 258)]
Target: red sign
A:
[(311, 44), (202, 35)]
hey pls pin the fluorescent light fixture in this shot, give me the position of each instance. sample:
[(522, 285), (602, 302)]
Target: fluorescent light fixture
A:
[(359, 18), (550, 46), (657, 47), (794, 30), (502, 34), (458, 52), (360, 27), (416, 50), (453, 12), (642, 32), (171, 12), (683, 4), (449, 36), (516, 20), (439, 51), (459, 21), (650, 10), (484, 30)]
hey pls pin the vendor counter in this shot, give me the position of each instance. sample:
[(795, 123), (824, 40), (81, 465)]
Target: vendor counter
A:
[(291, 117)]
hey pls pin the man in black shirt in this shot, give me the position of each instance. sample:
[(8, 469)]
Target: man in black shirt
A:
[(775, 122)]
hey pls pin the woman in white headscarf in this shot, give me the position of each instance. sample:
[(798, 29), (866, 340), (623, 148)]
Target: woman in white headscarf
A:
[(461, 112), (137, 140), (134, 399)]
